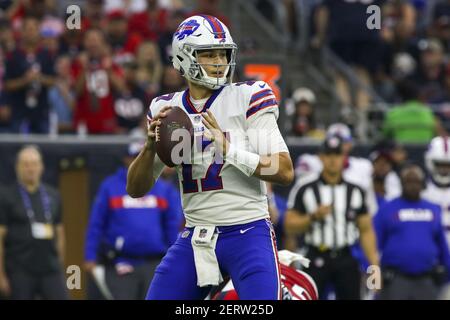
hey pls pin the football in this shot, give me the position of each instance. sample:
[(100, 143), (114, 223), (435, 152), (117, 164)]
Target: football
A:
[(170, 138)]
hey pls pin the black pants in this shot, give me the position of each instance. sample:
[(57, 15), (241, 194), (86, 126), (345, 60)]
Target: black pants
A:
[(128, 286), (338, 268), (398, 286), (27, 286)]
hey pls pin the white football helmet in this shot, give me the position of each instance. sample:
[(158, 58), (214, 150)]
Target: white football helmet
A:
[(202, 33), (436, 157)]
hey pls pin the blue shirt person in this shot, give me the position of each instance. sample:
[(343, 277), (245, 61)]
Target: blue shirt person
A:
[(411, 238), (129, 236)]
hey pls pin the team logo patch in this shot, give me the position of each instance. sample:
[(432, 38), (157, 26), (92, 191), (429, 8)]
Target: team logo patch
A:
[(202, 233), (186, 29)]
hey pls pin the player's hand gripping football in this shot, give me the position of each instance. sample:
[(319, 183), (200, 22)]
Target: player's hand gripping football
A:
[(152, 130), (216, 135)]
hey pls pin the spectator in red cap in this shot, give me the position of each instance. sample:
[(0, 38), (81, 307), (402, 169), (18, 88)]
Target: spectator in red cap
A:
[(151, 22), (123, 43), (19, 10), (92, 15), (97, 78)]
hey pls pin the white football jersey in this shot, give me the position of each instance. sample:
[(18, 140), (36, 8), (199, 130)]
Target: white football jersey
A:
[(441, 197), (358, 171), (216, 193)]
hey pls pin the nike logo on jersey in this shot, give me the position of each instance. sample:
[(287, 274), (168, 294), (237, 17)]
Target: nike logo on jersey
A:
[(262, 86), (245, 230)]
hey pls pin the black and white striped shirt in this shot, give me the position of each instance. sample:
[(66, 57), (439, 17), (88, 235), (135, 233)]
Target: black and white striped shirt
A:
[(338, 229)]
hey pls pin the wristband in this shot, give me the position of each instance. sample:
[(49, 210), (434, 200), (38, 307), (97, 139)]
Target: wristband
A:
[(245, 161)]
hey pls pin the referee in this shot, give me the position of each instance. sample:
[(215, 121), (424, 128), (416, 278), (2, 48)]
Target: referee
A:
[(332, 215)]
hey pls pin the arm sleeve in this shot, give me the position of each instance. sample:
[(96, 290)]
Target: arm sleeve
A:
[(97, 222), (173, 215), (262, 114), (260, 99)]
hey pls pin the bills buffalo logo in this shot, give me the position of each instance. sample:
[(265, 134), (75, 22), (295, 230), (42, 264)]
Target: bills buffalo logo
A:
[(186, 29)]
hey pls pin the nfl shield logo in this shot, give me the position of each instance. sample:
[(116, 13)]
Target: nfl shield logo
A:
[(202, 233)]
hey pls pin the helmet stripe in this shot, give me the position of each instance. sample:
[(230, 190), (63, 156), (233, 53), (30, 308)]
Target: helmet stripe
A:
[(219, 33)]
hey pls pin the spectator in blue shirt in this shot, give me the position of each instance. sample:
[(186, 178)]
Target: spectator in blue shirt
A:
[(130, 236), (411, 238)]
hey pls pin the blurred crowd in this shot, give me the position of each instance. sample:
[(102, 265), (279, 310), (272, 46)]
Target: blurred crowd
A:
[(411, 46), (98, 79)]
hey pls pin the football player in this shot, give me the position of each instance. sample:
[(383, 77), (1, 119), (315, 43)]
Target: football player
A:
[(228, 231), (437, 162)]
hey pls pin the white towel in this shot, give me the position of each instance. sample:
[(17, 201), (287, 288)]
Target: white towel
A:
[(204, 241), (99, 277), (286, 257)]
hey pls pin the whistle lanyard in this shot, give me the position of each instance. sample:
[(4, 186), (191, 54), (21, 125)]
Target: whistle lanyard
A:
[(45, 204)]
